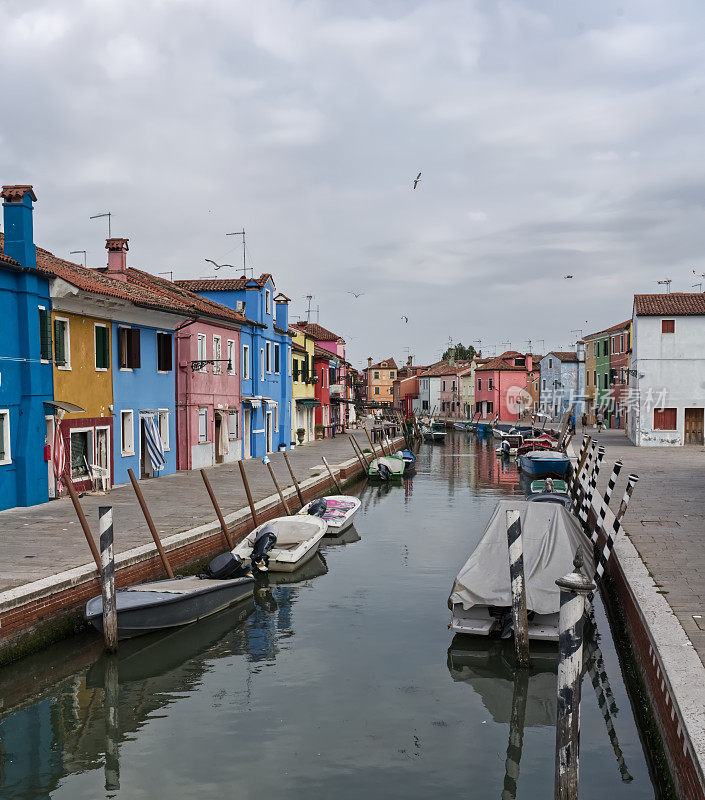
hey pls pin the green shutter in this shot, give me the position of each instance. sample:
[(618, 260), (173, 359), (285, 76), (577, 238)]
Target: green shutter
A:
[(102, 354), (59, 344), (45, 334)]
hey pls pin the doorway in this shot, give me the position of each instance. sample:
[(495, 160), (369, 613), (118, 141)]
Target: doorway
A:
[(246, 430), (694, 427), (102, 455), (218, 437), (146, 470), (268, 431)]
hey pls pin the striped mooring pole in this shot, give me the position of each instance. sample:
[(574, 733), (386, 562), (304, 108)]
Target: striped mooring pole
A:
[(574, 588), (112, 732), (107, 577), (600, 519), (578, 466), (582, 476), (584, 514), (516, 734), (516, 574), (611, 536)]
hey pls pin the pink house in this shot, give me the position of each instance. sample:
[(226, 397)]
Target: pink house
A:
[(451, 390), (501, 386)]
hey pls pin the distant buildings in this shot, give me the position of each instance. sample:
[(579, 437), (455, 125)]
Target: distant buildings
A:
[(501, 386), (559, 375), (379, 382)]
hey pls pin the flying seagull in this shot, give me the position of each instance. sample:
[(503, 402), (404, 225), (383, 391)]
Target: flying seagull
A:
[(406, 319), (417, 180), (567, 276), (218, 266), (356, 294)]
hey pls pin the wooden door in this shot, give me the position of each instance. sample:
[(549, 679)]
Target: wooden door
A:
[(694, 427)]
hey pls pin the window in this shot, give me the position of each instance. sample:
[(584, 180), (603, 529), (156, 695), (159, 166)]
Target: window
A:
[(201, 351), (164, 352), (164, 426), (444, 386), (668, 326), (594, 378), (376, 376), (596, 349), (490, 384), (128, 348), (245, 362), (233, 425), (275, 410), (261, 364), (391, 373), (276, 359), (606, 347), (607, 378), (202, 425), (479, 384), (665, 418), (550, 363), (62, 343), (231, 356), (490, 408), (81, 452), (217, 355), (424, 405), (5, 454), (102, 347), (376, 389), (268, 302), (305, 372), (296, 370), (587, 378), (520, 362), (127, 433), (331, 375), (543, 384), (44, 333)]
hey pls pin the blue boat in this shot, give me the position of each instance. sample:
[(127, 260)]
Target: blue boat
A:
[(544, 463), (408, 458)]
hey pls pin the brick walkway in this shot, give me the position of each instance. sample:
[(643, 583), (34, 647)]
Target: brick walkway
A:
[(43, 540), (665, 520)]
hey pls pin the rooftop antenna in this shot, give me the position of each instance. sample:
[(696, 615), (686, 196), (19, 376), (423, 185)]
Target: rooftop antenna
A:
[(699, 285), (169, 273), (667, 284), (508, 342), (107, 214), (318, 314), (528, 345), (74, 252), (244, 265), (309, 297)]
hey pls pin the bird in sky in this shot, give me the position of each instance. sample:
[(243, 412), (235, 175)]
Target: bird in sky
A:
[(406, 319), (567, 276), (356, 294), (218, 266), (417, 180)]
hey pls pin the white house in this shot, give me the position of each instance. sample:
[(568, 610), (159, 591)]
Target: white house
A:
[(667, 369)]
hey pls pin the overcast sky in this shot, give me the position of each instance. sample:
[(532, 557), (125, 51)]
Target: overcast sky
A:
[(554, 139)]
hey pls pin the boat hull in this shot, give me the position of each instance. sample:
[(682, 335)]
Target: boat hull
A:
[(478, 621), (544, 467)]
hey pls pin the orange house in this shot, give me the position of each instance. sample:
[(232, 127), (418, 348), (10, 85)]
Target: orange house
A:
[(379, 381)]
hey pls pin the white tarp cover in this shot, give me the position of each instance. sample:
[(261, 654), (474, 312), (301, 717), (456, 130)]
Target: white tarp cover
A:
[(550, 535)]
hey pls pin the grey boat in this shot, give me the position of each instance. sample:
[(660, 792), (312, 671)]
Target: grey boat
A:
[(159, 605)]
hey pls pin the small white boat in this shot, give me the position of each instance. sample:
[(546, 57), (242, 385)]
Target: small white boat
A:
[(337, 511), (291, 542)]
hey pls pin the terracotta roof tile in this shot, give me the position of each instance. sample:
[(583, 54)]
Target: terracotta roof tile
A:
[(390, 362), (675, 304), (320, 352), (223, 284), (619, 326), (563, 355), (317, 331), (9, 261)]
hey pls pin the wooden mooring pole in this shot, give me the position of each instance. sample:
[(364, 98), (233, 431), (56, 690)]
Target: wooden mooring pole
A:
[(150, 523), (330, 472), (574, 589), (293, 478), (359, 453), (516, 572), (516, 734), (218, 512), (248, 493), (107, 578), (374, 453), (82, 519), (111, 708), (268, 463)]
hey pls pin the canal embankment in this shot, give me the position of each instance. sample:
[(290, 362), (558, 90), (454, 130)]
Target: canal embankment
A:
[(657, 579), (47, 575)]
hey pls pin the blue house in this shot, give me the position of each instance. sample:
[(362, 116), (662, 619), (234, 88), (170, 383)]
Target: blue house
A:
[(265, 358), (560, 385), (25, 357)]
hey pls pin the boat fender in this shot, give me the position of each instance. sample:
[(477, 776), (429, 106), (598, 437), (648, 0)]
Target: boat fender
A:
[(318, 507), (263, 543), (227, 565)]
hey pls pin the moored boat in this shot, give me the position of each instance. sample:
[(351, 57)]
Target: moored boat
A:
[(408, 458), (385, 468), (481, 598), (544, 463), (337, 511), (282, 544), (558, 486)]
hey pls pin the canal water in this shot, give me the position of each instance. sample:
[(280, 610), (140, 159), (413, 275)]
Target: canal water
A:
[(341, 682)]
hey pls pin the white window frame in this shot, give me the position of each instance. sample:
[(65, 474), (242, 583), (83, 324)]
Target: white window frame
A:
[(275, 412), (217, 354), (268, 357), (245, 362), (90, 454), (95, 349), (267, 301), (128, 412), (288, 358), (231, 356), (5, 422), (203, 411), (163, 420), (261, 363), (233, 413), (202, 356), (67, 343)]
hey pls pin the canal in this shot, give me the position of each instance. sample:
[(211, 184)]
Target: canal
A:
[(341, 682)]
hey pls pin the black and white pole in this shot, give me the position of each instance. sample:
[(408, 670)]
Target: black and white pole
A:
[(611, 536), (112, 733), (107, 577), (582, 477), (516, 574), (584, 514), (574, 588), (516, 734), (578, 466), (602, 513)]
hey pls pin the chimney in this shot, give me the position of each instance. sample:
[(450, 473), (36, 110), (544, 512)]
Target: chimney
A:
[(369, 363), (117, 258), (409, 361), (17, 219), (529, 362)]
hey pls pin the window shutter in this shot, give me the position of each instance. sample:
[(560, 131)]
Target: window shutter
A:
[(668, 326), (296, 370), (276, 358), (59, 344), (134, 348), (45, 334)]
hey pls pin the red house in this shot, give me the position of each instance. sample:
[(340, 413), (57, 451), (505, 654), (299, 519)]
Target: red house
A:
[(501, 386)]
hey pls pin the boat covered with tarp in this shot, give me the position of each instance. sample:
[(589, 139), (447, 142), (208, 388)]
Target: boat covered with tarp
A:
[(337, 511), (385, 468), (544, 463), (481, 599)]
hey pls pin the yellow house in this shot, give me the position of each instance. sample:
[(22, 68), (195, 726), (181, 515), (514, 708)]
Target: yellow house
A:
[(303, 388), (590, 374)]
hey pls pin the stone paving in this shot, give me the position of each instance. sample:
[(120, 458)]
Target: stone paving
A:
[(43, 540), (665, 520)]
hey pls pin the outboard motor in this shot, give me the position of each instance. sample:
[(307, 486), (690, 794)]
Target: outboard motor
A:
[(227, 565), (384, 472), (264, 542), (505, 447), (548, 486), (318, 507)]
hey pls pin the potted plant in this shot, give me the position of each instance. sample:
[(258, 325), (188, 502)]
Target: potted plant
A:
[(320, 431), (300, 433)]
